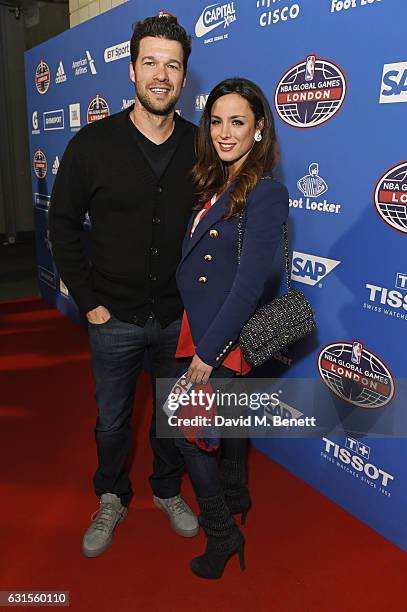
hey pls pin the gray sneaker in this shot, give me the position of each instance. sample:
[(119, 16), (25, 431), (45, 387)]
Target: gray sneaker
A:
[(182, 519), (100, 533)]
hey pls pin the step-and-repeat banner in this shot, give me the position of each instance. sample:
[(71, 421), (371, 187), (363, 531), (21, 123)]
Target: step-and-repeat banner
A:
[(335, 72)]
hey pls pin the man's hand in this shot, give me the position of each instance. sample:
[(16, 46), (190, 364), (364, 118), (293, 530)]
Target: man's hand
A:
[(98, 315), (199, 372)]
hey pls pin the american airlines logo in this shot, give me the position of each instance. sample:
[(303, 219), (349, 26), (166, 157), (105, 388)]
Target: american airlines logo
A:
[(84, 65)]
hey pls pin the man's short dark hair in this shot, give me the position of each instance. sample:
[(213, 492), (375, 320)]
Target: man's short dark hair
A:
[(167, 27)]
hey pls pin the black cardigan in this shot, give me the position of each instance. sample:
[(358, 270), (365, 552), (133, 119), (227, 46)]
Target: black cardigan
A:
[(138, 221)]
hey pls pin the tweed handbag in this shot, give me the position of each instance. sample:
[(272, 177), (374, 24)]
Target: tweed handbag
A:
[(279, 323)]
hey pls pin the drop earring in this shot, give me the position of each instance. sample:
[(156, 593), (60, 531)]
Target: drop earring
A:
[(258, 136)]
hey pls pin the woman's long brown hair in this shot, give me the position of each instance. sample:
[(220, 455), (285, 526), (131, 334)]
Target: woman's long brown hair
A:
[(209, 173)]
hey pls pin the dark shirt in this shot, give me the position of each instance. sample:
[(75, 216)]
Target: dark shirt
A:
[(138, 220), (158, 156)]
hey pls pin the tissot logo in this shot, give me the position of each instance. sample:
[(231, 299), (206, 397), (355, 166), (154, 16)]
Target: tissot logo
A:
[(391, 300), (311, 269), (355, 458)]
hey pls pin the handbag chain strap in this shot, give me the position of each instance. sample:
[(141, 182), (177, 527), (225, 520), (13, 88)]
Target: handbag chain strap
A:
[(241, 226)]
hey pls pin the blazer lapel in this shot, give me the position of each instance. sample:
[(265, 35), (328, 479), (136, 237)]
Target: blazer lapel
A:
[(210, 218)]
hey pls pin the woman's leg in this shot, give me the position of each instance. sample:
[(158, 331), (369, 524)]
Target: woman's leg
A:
[(224, 538), (202, 468)]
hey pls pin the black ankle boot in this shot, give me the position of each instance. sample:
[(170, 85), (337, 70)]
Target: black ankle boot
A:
[(224, 539), (233, 475)]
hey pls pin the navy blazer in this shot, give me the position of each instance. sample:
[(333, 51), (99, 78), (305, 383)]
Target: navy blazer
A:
[(219, 295)]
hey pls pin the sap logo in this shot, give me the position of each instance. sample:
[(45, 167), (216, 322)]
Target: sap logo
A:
[(394, 83), (311, 269)]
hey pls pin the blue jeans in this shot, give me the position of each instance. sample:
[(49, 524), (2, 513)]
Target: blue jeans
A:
[(119, 350)]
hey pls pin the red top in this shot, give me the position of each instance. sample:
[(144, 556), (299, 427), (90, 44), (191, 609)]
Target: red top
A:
[(186, 348)]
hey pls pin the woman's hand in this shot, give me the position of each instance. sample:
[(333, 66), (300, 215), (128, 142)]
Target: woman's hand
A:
[(198, 371)]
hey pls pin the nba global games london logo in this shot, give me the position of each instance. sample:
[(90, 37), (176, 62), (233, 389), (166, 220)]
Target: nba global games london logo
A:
[(356, 375), (98, 109), (40, 164), (42, 77), (310, 92), (390, 197)]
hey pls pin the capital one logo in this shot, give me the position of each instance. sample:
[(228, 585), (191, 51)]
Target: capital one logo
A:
[(311, 269), (394, 83)]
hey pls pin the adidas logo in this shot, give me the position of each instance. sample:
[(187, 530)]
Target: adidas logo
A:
[(61, 76), (55, 165)]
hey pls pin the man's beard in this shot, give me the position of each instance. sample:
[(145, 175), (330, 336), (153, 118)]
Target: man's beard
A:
[(165, 110)]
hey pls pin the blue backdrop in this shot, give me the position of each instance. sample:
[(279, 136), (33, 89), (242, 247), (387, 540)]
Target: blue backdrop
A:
[(335, 72)]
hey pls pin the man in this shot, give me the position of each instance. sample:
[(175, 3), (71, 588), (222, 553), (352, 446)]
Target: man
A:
[(130, 172)]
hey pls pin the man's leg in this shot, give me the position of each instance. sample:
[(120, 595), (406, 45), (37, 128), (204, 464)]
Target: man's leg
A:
[(168, 462), (117, 350)]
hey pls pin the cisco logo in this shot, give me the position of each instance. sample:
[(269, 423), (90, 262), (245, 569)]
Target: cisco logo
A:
[(311, 269)]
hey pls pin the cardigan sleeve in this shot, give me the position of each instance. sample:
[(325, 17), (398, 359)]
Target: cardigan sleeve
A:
[(69, 204), (267, 210)]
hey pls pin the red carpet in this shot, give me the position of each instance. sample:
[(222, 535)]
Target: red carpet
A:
[(303, 552)]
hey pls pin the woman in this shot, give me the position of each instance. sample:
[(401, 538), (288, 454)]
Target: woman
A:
[(236, 149)]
